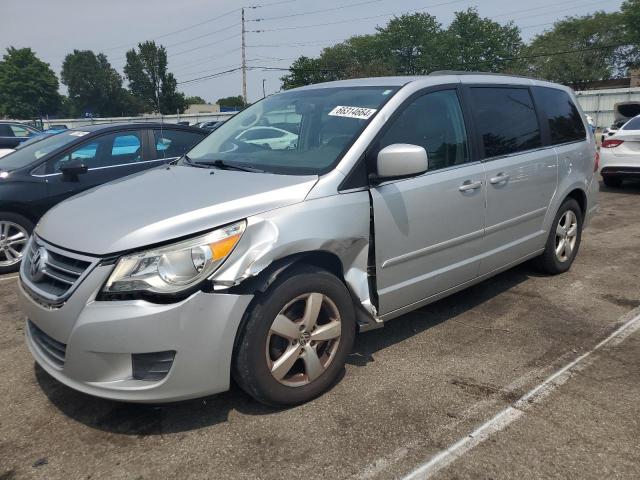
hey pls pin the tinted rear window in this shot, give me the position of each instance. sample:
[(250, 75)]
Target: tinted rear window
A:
[(506, 120), (565, 121), (633, 124)]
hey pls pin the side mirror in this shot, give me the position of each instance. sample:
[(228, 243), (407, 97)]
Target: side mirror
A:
[(72, 169), (401, 160)]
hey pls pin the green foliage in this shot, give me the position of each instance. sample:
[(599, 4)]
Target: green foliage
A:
[(195, 100), (589, 34), (414, 44), (231, 102), (631, 23), (149, 81), (480, 44), (94, 86), (28, 87)]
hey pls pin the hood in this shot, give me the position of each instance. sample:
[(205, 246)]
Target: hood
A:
[(5, 151), (164, 204)]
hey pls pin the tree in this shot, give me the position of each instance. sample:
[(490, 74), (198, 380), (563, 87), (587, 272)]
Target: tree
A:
[(590, 46), (631, 21), (94, 86), (146, 71), (231, 102), (195, 100), (475, 43), (412, 44), (28, 87)]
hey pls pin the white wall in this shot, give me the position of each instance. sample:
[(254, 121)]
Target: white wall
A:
[(191, 118), (599, 103)]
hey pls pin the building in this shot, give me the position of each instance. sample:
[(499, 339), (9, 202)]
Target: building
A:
[(203, 108)]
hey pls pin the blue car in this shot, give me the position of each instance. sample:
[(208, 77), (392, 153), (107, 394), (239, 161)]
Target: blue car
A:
[(13, 134)]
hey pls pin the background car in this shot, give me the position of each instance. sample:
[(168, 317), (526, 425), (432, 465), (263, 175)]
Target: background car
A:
[(13, 134), (622, 112), (211, 126), (57, 126), (620, 154), (271, 137), (29, 141), (50, 169)]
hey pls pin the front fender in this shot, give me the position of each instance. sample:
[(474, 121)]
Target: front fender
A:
[(337, 224)]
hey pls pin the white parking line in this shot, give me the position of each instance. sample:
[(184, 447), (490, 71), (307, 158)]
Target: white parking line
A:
[(629, 324), (4, 279)]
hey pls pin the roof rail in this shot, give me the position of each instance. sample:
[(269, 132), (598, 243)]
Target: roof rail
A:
[(463, 72)]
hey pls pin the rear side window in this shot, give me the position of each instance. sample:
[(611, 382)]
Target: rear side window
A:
[(5, 131), (565, 121), (633, 124), (175, 143), (19, 131), (506, 120)]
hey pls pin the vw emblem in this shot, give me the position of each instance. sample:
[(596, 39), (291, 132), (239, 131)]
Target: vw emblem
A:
[(304, 338), (38, 264)]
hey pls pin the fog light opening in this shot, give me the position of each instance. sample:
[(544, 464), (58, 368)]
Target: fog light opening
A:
[(152, 367)]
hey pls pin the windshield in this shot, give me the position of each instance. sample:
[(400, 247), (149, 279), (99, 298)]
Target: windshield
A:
[(299, 132), (35, 149), (633, 124)]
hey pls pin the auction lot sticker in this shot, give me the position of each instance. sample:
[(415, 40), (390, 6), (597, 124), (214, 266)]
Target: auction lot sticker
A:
[(352, 112)]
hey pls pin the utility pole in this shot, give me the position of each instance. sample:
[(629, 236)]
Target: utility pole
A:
[(263, 92), (244, 63)]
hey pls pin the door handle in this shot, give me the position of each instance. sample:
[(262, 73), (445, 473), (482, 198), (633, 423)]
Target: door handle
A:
[(500, 178), (469, 185)]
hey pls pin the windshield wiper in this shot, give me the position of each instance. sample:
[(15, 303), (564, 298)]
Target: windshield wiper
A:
[(224, 165)]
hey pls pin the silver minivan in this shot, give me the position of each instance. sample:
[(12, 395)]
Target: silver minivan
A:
[(311, 215)]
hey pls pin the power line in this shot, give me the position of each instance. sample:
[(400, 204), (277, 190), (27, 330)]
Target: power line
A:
[(356, 19), (184, 29), (217, 42), (279, 17), (214, 75), (463, 65), (305, 44), (193, 39)]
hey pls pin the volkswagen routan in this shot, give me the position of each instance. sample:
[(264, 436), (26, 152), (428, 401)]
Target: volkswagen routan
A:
[(260, 260)]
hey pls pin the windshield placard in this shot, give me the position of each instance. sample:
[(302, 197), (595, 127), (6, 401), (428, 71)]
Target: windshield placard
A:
[(360, 113)]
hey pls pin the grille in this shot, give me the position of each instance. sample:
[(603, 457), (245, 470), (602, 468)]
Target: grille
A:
[(52, 273), (53, 350)]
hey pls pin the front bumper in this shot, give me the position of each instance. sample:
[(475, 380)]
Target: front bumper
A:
[(100, 337)]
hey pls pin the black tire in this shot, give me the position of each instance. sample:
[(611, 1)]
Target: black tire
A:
[(613, 182), (26, 224), (250, 368), (549, 262)]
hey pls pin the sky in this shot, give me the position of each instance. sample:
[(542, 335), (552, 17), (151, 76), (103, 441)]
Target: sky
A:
[(203, 37)]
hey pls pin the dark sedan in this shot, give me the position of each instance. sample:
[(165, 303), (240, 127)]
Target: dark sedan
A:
[(13, 134), (45, 172)]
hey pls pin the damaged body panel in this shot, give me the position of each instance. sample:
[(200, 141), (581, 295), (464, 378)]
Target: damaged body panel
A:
[(337, 225)]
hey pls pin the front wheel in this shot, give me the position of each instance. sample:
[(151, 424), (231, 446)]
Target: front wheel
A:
[(296, 339), (14, 234), (564, 239)]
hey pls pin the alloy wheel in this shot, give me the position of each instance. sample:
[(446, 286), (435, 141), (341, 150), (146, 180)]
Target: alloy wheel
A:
[(13, 240), (566, 235), (303, 339)]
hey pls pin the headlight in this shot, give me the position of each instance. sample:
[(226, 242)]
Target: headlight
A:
[(176, 267)]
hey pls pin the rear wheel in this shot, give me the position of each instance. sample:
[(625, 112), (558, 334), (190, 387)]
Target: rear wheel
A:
[(296, 338), (14, 234), (564, 239), (613, 182)]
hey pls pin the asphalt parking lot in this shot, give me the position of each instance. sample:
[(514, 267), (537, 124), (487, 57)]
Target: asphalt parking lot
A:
[(411, 391)]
